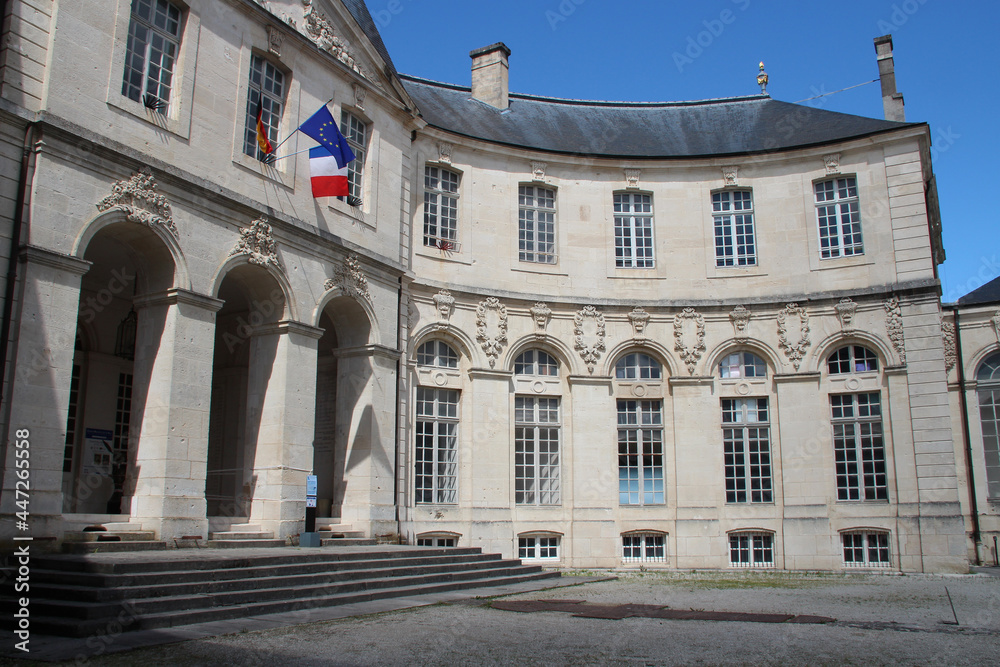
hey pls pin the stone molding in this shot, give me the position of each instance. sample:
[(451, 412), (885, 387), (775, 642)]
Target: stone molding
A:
[(444, 302), (31, 254), (538, 171), (590, 346), (730, 175), (894, 326), (372, 350), (846, 309), (319, 29), (794, 351), (138, 200), (350, 277), (690, 350), (257, 243), (175, 295), (740, 317), (832, 163), (492, 343), (639, 319), (950, 344), (632, 178), (541, 314)]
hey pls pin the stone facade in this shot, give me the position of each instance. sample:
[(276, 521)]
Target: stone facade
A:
[(443, 383)]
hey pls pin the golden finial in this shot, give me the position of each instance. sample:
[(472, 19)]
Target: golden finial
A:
[(762, 79)]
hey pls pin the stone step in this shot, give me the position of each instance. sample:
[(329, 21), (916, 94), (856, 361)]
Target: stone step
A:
[(102, 546), (244, 543), (241, 535), (347, 541), (110, 536)]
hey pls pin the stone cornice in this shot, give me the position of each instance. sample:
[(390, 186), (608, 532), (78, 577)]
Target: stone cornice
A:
[(812, 376), (373, 350), (490, 374), (35, 255), (176, 295)]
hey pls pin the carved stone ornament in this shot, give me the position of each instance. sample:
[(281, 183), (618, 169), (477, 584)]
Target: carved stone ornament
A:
[(894, 326), (639, 319), (444, 152), (740, 317), (274, 38), (257, 243), (538, 171), (832, 162), (689, 337), (589, 334), (138, 200), (319, 29), (491, 327), (729, 175), (445, 304), (540, 314), (846, 310), (632, 178), (800, 331), (350, 278), (950, 347), (996, 325), (360, 93)]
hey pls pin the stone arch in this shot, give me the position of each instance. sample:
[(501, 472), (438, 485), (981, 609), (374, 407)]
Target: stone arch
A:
[(828, 345), (236, 264), (545, 342), (652, 347), (465, 346), (981, 355), (730, 345), (340, 296)]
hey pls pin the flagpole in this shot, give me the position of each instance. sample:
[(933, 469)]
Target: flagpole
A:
[(282, 157), (293, 134)]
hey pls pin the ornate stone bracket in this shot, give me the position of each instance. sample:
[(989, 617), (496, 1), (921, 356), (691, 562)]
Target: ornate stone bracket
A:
[(538, 170), (492, 343), (894, 326), (632, 178), (274, 39), (589, 335), (832, 163), (949, 342), (846, 310), (740, 317), (639, 319), (445, 304), (794, 351), (360, 93), (319, 29), (540, 314), (350, 278), (689, 337), (730, 175), (257, 243), (996, 325), (138, 200), (444, 152)]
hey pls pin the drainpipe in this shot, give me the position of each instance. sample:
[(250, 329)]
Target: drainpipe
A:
[(395, 430), (973, 505)]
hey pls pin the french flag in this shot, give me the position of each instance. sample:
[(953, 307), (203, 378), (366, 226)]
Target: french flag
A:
[(328, 180)]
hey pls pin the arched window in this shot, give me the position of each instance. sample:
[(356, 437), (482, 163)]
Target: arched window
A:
[(742, 365), (536, 362), (638, 366), (751, 548), (852, 359), (866, 548), (988, 381), (437, 353)]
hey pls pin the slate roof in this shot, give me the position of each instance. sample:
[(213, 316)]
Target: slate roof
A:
[(730, 126), (360, 13), (988, 293)]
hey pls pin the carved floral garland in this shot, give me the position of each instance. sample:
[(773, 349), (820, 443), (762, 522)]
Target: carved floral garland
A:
[(690, 353), (257, 243), (492, 344), (794, 351), (138, 200), (589, 352), (350, 278), (894, 326)]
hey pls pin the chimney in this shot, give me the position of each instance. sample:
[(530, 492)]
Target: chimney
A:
[(489, 74), (892, 101)]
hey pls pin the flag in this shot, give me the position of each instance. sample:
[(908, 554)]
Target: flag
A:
[(323, 129), (328, 178), (262, 140)]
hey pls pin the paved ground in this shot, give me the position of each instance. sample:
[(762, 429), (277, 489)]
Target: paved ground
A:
[(881, 619)]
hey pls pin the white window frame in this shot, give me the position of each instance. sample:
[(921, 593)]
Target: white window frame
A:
[(536, 224), (838, 217), (866, 548), (539, 547), (441, 199), (435, 476), (264, 90), (159, 52), (437, 540), (988, 395), (633, 230), (851, 359), (641, 466), (644, 547), (437, 353), (638, 366), (537, 455), (357, 132), (859, 447), (733, 227), (536, 362), (742, 364), (756, 545), (746, 438)]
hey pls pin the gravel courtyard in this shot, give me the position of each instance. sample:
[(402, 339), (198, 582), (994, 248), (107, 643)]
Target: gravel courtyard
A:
[(880, 620)]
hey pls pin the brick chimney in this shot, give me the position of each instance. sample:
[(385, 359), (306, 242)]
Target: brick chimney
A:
[(892, 101), (489, 74)]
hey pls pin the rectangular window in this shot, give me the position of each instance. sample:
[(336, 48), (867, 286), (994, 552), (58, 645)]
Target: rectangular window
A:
[(154, 36), (839, 216), (356, 132), (989, 419), (633, 231), (858, 448), (732, 215), (266, 93), (536, 450), (120, 441), (536, 224), (866, 549), (74, 402), (644, 548), (539, 548), (440, 208), (640, 452), (751, 550), (437, 446), (436, 542), (747, 447)]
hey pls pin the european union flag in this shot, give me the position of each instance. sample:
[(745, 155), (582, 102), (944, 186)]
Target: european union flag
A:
[(323, 129)]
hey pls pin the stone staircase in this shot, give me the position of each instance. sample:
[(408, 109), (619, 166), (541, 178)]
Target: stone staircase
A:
[(108, 536), (341, 534), (84, 595), (241, 536)]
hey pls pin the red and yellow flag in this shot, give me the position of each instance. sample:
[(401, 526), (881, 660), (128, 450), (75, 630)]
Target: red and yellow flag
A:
[(262, 140)]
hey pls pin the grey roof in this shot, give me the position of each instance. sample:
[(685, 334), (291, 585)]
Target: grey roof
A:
[(988, 293), (360, 13), (731, 126)]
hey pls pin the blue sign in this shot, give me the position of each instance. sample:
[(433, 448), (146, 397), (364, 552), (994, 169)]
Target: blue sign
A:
[(311, 486)]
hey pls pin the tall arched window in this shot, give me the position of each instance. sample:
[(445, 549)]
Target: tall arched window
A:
[(436, 455), (746, 432), (988, 388), (640, 433), (536, 435)]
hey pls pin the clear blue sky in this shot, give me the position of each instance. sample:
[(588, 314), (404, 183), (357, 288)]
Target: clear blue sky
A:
[(946, 54)]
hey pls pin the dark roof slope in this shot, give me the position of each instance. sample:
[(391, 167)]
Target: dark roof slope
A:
[(360, 13), (988, 293), (732, 126)]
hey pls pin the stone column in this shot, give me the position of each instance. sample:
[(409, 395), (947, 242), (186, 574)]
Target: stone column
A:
[(38, 388), (281, 409), (172, 401)]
